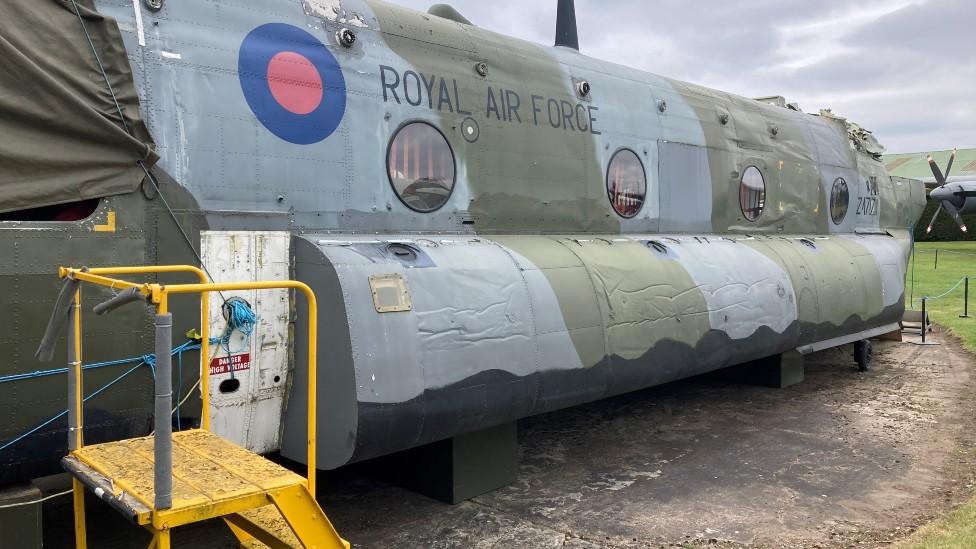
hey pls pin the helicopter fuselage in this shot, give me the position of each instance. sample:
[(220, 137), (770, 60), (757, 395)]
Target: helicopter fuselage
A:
[(494, 228)]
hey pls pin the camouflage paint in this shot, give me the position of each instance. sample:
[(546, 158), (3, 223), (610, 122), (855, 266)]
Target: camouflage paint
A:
[(532, 294)]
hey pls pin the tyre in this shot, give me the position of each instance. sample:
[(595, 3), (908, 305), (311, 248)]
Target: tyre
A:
[(862, 355)]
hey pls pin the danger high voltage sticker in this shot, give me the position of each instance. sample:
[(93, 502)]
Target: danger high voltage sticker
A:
[(224, 364)]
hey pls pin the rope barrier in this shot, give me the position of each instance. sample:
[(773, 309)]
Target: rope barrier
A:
[(36, 501), (944, 294), (944, 251), (240, 317), (147, 360)]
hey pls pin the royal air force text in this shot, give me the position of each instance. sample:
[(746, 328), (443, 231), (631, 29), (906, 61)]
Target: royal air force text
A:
[(441, 94)]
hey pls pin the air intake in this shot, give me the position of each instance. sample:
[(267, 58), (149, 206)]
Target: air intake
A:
[(566, 34)]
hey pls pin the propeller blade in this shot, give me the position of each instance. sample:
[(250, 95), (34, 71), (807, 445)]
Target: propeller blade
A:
[(934, 217), (952, 158), (949, 207), (939, 178)]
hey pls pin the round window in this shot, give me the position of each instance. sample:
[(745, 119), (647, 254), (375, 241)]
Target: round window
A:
[(752, 193), (626, 184), (421, 167), (840, 199)]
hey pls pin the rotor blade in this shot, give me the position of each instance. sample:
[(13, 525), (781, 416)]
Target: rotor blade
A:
[(952, 158), (939, 178), (949, 207), (934, 217)]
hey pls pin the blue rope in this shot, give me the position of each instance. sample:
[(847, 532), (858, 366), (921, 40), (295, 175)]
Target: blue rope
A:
[(240, 318), (56, 371), (148, 360)]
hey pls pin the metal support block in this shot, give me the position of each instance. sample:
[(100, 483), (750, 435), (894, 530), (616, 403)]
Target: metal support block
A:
[(456, 469), (777, 371), (21, 526), (891, 336)]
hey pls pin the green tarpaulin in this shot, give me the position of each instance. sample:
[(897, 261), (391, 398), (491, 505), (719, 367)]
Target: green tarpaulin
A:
[(61, 136)]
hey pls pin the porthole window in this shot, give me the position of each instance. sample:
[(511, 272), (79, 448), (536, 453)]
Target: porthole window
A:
[(626, 183), (752, 193), (420, 164), (840, 199)]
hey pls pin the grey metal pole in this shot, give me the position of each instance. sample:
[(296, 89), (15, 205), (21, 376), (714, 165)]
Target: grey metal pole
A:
[(965, 299), (163, 441), (925, 319), (74, 378)]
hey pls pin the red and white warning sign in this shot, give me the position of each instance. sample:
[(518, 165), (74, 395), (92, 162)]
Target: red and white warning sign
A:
[(224, 364)]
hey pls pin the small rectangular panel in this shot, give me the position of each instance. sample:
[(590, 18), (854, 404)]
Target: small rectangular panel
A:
[(390, 294), (686, 187)]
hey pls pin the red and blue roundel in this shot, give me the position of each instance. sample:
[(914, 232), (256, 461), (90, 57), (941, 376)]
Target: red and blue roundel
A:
[(292, 83)]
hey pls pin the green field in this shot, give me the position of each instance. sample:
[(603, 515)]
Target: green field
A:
[(956, 260)]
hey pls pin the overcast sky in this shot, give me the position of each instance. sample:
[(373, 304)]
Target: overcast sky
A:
[(904, 69)]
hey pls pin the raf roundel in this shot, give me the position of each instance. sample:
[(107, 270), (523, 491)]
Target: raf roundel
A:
[(292, 83)]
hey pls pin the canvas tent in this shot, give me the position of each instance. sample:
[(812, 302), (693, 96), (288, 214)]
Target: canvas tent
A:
[(61, 136)]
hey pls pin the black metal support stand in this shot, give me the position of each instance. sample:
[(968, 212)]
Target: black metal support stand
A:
[(925, 319), (456, 469), (965, 299)]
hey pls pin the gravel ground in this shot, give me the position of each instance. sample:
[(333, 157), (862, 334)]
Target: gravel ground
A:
[(842, 460)]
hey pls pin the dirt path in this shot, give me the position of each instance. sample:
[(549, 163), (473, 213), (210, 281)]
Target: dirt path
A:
[(842, 459)]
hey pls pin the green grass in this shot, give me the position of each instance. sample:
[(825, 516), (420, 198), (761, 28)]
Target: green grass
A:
[(958, 528), (956, 260)]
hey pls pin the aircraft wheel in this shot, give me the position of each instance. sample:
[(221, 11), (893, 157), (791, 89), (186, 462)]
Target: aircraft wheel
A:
[(862, 355)]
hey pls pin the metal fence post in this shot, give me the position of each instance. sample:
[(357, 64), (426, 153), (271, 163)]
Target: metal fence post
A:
[(163, 441), (965, 299), (925, 319), (936, 259)]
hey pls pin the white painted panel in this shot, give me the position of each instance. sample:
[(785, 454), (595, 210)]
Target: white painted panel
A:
[(251, 415)]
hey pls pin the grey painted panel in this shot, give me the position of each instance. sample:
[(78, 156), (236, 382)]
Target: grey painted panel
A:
[(832, 145), (336, 392), (386, 349), (686, 188), (473, 314)]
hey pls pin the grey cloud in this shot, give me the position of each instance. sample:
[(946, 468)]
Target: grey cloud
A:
[(903, 68)]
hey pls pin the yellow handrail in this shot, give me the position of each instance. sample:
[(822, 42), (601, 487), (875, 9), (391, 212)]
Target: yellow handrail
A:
[(159, 295), (98, 275)]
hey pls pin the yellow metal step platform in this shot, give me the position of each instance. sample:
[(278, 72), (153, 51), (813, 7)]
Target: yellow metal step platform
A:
[(171, 479)]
